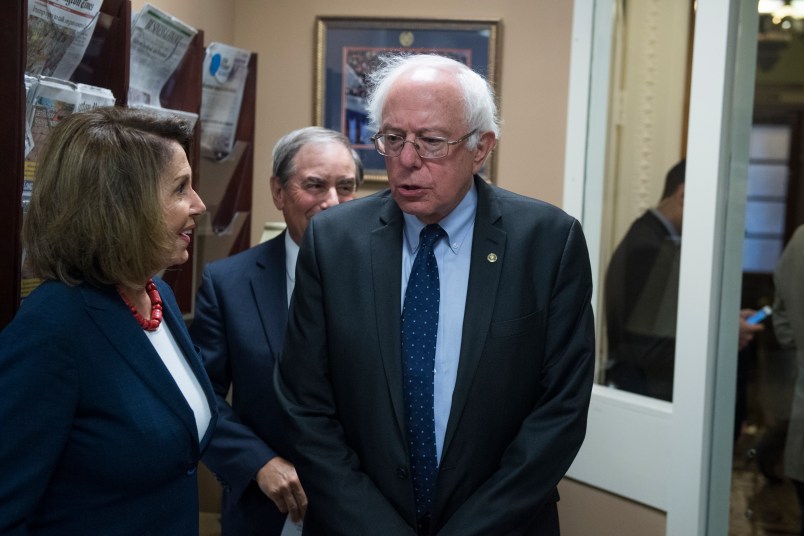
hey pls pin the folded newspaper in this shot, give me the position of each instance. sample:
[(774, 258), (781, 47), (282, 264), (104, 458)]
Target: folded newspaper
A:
[(223, 82), (158, 44), (59, 32)]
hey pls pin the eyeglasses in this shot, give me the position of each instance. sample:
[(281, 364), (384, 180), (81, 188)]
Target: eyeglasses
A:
[(430, 147)]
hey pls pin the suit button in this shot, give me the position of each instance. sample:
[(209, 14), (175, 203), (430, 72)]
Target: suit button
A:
[(402, 473), (191, 470)]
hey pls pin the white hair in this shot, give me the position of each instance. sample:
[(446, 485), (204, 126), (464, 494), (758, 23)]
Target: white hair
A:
[(478, 96)]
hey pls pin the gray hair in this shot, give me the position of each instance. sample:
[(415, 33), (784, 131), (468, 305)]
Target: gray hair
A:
[(478, 95), (288, 145)]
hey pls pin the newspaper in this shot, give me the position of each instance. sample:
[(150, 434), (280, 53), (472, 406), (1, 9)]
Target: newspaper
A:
[(224, 79), (158, 44), (51, 101), (91, 97), (59, 32)]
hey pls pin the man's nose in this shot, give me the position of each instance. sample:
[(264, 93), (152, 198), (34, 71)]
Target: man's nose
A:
[(330, 198), (409, 157)]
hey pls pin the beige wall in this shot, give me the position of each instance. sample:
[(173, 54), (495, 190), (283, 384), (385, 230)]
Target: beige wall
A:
[(534, 71)]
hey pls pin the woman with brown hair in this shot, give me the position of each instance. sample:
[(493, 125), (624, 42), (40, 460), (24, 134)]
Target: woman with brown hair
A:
[(106, 408)]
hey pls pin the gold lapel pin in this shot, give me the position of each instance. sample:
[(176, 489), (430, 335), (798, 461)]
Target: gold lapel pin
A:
[(491, 257)]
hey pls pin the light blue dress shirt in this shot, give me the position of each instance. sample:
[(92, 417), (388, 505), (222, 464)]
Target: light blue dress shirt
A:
[(291, 255), (453, 255)]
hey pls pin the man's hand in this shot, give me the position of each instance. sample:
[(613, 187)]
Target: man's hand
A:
[(747, 330), (278, 480)]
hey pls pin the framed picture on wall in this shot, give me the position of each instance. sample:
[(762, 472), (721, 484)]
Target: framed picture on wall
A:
[(348, 49)]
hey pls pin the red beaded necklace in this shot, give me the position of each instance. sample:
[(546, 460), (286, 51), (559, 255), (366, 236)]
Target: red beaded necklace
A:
[(156, 308)]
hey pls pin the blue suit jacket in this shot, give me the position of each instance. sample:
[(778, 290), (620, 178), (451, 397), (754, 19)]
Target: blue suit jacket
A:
[(524, 379), (97, 436), (240, 317)]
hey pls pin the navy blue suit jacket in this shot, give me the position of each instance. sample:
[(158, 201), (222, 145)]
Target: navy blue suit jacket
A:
[(240, 317), (97, 438), (523, 386)]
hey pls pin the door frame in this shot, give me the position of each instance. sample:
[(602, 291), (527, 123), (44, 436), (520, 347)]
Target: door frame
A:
[(674, 457)]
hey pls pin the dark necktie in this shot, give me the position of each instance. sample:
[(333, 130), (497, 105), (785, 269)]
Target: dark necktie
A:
[(419, 330)]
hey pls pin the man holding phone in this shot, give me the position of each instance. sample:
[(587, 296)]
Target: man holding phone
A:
[(641, 297)]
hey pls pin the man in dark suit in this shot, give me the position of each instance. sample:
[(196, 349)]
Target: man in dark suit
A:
[(641, 296), (468, 430), (240, 318)]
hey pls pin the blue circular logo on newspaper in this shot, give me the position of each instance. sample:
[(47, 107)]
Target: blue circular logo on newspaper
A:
[(215, 64)]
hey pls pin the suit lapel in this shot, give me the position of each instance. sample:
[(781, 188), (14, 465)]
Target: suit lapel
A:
[(269, 287), (484, 279), (386, 266), (114, 320)]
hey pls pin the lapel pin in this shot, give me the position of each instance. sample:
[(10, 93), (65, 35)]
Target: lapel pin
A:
[(491, 257)]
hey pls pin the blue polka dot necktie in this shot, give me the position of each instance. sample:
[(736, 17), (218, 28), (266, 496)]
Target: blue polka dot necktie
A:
[(419, 330)]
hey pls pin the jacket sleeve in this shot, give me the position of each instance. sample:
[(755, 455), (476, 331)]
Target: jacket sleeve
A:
[(785, 296), (339, 492), (235, 453)]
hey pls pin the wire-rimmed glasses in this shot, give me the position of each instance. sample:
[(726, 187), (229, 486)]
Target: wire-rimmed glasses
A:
[(430, 147)]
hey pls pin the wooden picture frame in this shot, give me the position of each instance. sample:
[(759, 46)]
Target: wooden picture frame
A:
[(346, 47)]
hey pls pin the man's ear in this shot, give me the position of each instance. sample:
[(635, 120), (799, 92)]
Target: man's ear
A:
[(485, 144), (277, 192)]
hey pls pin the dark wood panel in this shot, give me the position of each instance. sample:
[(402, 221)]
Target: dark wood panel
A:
[(13, 39), (105, 62)]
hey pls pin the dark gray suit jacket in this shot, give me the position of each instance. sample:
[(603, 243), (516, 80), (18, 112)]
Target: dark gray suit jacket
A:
[(788, 324), (240, 317), (524, 380), (641, 303)]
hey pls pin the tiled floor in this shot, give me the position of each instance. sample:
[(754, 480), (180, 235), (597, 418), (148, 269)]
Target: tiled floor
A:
[(759, 507)]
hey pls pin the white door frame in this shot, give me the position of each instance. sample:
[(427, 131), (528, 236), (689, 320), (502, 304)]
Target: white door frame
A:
[(674, 457)]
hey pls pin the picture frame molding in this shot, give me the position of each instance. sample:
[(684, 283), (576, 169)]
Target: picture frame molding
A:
[(326, 26)]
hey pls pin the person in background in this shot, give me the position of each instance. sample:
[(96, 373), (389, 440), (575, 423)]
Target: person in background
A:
[(438, 362), (106, 408), (641, 297), (788, 324), (240, 318)]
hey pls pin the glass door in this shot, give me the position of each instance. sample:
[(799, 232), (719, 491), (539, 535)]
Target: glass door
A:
[(654, 83)]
